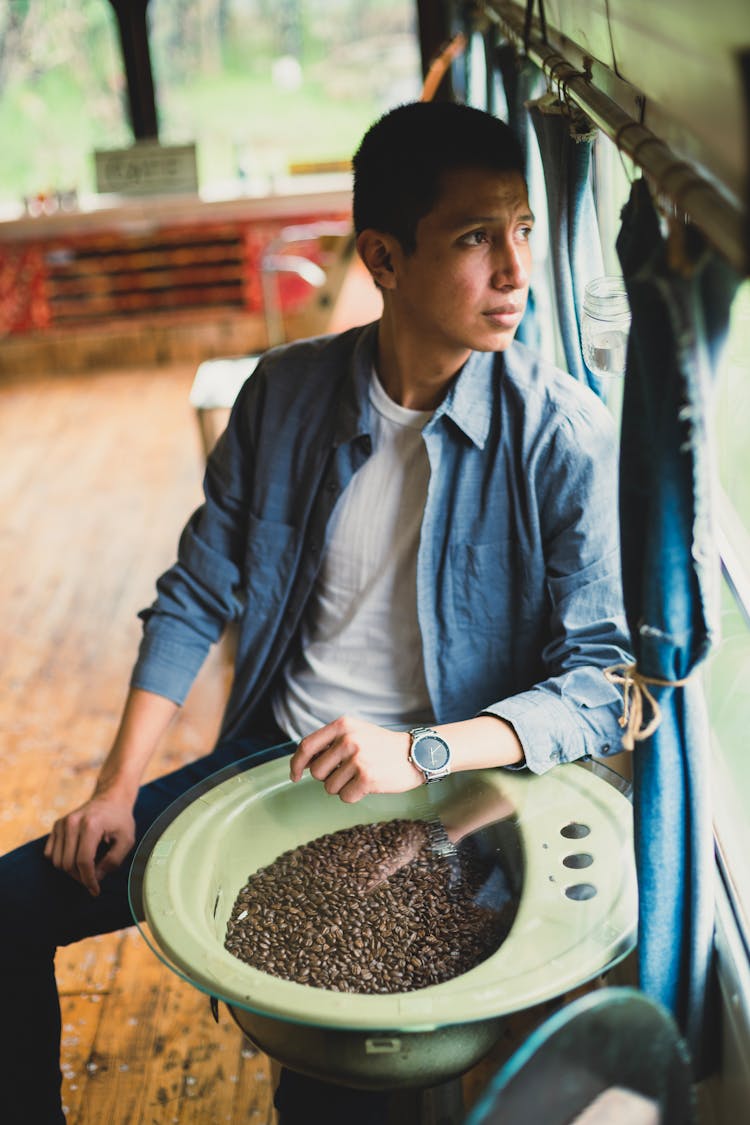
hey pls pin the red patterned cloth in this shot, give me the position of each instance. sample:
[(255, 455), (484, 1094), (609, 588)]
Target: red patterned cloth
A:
[(109, 274), (23, 301)]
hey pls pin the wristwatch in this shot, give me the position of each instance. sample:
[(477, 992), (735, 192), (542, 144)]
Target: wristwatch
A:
[(430, 753)]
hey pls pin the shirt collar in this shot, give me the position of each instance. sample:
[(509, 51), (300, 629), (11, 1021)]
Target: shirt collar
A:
[(353, 414), (468, 402)]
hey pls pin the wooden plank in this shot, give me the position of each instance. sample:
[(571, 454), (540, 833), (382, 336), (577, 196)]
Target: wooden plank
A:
[(229, 296), (82, 262), (170, 1061), (89, 287), (140, 340), (180, 234), (80, 1014), (204, 1071), (122, 1050)]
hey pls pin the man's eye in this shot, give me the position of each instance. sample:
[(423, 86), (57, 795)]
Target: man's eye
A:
[(474, 238), (525, 233)]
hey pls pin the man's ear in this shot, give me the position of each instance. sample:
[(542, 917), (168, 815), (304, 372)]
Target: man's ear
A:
[(375, 251)]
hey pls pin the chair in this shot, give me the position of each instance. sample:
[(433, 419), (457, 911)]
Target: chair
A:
[(218, 381), (613, 1057)]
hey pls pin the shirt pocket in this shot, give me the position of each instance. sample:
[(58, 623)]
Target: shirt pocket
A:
[(270, 558), (489, 589)]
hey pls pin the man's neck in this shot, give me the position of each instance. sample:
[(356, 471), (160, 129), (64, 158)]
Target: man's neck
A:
[(412, 373)]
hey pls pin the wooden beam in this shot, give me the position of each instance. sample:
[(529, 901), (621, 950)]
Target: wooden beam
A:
[(133, 30)]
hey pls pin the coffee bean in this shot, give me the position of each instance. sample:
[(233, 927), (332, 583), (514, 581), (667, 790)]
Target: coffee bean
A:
[(370, 909)]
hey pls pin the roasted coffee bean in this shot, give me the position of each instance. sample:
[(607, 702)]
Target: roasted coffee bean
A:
[(369, 909)]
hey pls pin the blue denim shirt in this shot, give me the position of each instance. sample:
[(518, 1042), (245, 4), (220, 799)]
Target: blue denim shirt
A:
[(518, 573)]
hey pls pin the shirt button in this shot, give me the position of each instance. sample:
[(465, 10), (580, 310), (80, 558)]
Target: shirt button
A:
[(605, 748)]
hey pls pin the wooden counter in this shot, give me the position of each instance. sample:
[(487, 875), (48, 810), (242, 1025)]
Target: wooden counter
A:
[(152, 279)]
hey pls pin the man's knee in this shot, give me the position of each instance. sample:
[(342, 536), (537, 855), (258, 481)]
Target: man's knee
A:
[(44, 907)]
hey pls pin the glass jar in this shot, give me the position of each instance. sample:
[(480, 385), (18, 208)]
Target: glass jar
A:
[(605, 326)]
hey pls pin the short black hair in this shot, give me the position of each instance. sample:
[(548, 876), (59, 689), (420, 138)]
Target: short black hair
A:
[(399, 164)]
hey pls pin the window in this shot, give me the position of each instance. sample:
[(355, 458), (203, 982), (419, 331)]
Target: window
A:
[(62, 94), (732, 418), (259, 86), (727, 676)]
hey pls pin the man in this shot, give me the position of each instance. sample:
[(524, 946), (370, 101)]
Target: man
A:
[(412, 526)]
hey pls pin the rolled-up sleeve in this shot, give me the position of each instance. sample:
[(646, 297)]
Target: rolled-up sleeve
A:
[(202, 591), (573, 712)]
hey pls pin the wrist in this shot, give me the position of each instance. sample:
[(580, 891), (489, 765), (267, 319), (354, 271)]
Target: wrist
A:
[(484, 742), (118, 786), (429, 753)]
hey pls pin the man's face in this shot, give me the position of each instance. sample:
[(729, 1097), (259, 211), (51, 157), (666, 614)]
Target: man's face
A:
[(465, 286)]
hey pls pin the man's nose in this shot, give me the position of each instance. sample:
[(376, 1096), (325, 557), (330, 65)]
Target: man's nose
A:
[(510, 267)]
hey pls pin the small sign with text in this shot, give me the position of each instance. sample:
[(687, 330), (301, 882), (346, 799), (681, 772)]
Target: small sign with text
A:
[(147, 168)]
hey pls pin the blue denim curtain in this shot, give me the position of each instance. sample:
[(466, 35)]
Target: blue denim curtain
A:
[(566, 141), (522, 81), (671, 586)]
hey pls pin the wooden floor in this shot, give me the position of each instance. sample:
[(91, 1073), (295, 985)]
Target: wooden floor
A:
[(99, 473)]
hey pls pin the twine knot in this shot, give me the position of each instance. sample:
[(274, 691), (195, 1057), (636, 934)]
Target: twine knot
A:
[(635, 688)]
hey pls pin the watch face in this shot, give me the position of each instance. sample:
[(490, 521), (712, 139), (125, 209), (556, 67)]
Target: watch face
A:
[(431, 752)]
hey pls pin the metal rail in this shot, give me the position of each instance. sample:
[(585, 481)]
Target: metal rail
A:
[(722, 223)]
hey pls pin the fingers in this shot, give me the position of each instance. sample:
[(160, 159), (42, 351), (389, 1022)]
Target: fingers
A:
[(73, 828), (70, 847), (345, 777), (76, 841), (353, 790), (86, 874), (311, 746), (56, 845), (302, 759), (329, 761), (354, 758), (87, 845), (112, 859), (53, 845), (332, 755)]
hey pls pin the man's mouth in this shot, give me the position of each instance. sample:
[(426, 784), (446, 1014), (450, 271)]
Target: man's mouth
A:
[(504, 316)]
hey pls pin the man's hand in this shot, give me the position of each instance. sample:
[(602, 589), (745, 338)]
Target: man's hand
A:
[(95, 838), (354, 758), (78, 840)]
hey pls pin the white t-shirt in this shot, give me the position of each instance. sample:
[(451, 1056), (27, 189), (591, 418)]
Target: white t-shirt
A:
[(361, 651)]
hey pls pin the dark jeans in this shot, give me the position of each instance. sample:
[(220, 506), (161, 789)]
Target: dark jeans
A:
[(43, 908)]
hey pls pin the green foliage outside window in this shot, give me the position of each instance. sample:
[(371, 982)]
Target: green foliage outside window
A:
[(62, 93), (255, 83)]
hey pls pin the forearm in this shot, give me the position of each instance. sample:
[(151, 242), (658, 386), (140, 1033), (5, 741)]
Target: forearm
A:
[(353, 757), (145, 719), (481, 742)]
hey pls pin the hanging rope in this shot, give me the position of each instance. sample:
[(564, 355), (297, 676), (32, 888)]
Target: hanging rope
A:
[(528, 19), (635, 688)]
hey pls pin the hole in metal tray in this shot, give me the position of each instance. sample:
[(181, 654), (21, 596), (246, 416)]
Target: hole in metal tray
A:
[(575, 831), (579, 892), (579, 859)]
